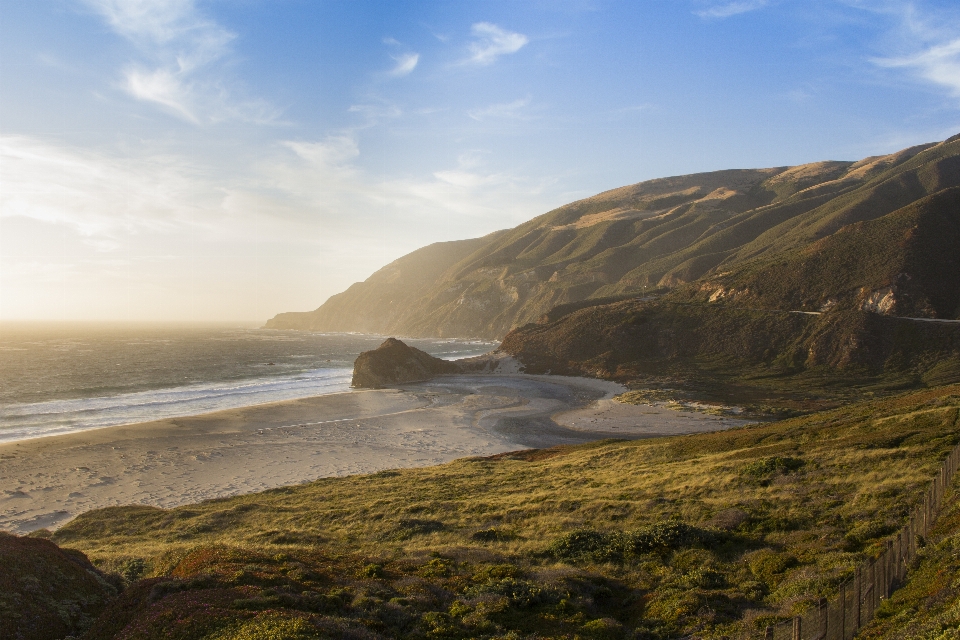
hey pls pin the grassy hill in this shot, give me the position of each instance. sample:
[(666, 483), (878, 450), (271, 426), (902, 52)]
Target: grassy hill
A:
[(843, 314), (660, 233), (928, 606), (707, 534)]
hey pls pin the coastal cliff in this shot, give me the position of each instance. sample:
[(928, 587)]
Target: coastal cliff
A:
[(657, 235)]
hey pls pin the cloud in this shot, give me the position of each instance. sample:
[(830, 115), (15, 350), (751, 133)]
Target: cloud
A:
[(164, 88), (179, 47), (493, 42), (406, 63), (332, 152), (728, 9), (939, 64), (153, 235), (451, 202), (98, 195), (935, 55), (505, 110)]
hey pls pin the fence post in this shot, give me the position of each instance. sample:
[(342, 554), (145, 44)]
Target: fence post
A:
[(768, 635), (843, 611), (908, 558), (858, 596), (796, 627), (824, 618), (891, 575), (901, 540), (882, 578)]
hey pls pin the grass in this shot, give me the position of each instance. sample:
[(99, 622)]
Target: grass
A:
[(707, 534), (928, 606)]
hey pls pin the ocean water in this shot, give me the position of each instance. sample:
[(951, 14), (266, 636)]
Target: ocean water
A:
[(62, 378)]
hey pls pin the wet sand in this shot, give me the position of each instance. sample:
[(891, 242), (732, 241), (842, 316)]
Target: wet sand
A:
[(45, 482)]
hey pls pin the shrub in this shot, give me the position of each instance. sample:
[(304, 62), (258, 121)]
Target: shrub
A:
[(406, 529), (620, 546), (520, 593), (491, 535), (765, 467)]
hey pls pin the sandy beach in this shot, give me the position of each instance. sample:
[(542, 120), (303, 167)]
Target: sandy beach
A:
[(45, 482)]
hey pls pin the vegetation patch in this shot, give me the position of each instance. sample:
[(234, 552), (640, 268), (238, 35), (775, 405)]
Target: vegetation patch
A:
[(708, 534)]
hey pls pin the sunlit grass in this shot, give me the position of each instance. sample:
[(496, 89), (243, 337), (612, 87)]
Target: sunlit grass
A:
[(780, 514)]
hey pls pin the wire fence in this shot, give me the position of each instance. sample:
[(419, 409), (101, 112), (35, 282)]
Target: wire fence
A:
[(840, 618)]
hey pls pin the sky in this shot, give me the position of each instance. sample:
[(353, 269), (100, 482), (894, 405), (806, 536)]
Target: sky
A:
[(191, 160)]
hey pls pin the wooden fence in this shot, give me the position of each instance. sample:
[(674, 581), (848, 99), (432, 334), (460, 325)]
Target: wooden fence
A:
[(840, 618)]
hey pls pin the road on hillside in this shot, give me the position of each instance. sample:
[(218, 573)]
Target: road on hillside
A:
[(813, 313)]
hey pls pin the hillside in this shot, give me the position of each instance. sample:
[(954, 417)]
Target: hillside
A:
[(708, 534), (872, 306), (377, 304), (662, 233)]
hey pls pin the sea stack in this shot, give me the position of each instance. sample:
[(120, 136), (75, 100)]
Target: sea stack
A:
[(393, 362)]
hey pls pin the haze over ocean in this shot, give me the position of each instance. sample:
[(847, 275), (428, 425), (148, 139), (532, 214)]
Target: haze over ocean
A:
[(61, 378)]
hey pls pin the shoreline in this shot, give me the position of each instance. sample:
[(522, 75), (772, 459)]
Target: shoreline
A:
[(46, 481)]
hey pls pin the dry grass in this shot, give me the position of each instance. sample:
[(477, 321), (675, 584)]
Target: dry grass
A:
[(780, 513)]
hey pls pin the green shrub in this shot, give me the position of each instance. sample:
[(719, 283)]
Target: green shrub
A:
[(766, 467), (520, 593), (621, 546), (769, 566)]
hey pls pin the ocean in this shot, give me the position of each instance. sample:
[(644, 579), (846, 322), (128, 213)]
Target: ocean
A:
[(63, 378)]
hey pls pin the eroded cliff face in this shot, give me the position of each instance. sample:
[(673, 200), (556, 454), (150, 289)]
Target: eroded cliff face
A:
[(662, 233), (905, 263), (393, 362)]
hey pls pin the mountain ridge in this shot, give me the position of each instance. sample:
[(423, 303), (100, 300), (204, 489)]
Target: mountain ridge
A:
[(659, 233)]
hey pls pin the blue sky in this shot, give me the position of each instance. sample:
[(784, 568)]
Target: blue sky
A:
[(231, 159)]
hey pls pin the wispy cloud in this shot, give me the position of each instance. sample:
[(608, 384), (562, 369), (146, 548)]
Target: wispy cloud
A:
[(728, 9), (928, 43), (82, 225), (98, 195), (492, 42), (179, 47), (939, 64), (406, 63), (504, 110), (162, 87)]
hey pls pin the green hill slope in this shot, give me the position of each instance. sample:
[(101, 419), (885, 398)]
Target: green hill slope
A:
[(659, 233), (707, 534), (853, 307), (377, 304)]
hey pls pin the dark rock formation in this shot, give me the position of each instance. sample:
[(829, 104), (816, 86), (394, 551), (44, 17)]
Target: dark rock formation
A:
[(393, 362), (47, 592)]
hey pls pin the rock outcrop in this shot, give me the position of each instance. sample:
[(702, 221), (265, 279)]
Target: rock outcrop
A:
[(393, 362), (47, 592)]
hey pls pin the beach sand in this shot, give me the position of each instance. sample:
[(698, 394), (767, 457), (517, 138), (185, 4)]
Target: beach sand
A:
[(45, 482)]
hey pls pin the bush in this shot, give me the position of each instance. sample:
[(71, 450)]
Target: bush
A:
[(407, 529), (491, 535), (765, 467), (620, 546), (520, 593)]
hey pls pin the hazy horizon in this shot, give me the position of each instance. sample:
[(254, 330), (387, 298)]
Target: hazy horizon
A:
[(195, 161)]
